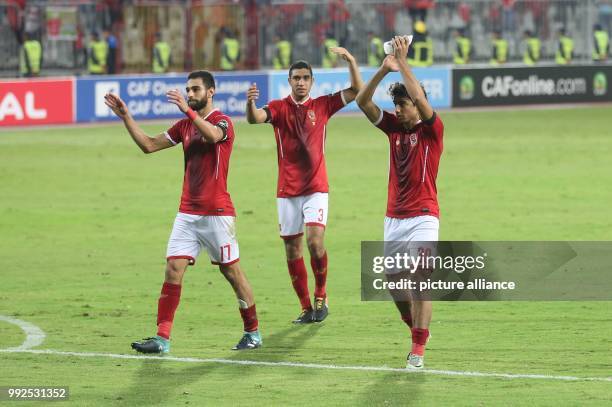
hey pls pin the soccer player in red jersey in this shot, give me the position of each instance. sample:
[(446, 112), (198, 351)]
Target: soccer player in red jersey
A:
[(299, 123), (206, 216), (415, 140)]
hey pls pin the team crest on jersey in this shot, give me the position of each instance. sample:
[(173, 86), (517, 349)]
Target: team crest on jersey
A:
[(413, 140), (311, 116)]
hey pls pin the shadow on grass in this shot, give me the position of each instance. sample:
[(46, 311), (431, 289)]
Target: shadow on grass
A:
[(158, 381)]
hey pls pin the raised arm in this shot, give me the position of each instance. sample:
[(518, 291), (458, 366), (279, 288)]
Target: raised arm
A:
[(410, 81), (253, 114), (147, 144), (209, 132), (364, 97), (349, 94)]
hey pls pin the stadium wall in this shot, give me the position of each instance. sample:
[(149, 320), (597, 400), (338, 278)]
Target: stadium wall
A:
[(80, 99)]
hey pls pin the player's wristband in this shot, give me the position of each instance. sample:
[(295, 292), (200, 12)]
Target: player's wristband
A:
[(191, 114)]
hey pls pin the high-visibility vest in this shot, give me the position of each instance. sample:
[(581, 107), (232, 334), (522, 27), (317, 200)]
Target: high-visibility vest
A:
[(602, 42), (30, 58), (376, 52), (422, 53), (230, 56), (329, 58), (98, 51), (500, 52), (161, 57), (282, 55), (462, 52), (532, 53), (565, 50)]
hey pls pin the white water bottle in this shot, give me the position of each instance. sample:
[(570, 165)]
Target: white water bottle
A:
[(388, 46)]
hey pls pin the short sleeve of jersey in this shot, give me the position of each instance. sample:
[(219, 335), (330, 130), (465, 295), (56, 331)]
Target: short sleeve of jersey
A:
[(274, 107), (175, 133), (387, 122), (226, 125), (335, 102), (434, 127)]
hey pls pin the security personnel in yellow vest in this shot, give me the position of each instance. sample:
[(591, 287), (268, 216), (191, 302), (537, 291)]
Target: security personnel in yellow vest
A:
[(601, 43), (376, 52), (282, 53), (420, 52), (532, 48), (565, 48), (161, 55), (499, 54), (463, 47), (330, 60), (230, 50), (96, 55), (30, 56)]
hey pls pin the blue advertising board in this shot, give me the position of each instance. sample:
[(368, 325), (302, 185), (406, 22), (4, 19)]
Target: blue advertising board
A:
[(145, 95), (437, 82)]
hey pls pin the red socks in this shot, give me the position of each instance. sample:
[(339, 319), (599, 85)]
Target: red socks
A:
[(166, 307), (299, 279), (419, 340), (249, 318), (319, 268)]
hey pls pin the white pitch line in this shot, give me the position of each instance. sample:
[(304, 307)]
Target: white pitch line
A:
[(34, 335), (311, 365)]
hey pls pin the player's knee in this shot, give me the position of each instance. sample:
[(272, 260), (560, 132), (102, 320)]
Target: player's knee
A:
[(175, 271), (232, 272), (315, 246), (293, 249)]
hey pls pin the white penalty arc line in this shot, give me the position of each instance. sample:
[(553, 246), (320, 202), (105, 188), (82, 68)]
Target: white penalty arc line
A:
[(310, 365), (34, 335)]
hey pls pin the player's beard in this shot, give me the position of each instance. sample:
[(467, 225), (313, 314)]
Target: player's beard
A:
[(197, 105)]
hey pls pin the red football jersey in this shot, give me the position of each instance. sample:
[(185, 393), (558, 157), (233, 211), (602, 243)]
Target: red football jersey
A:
[(414, 156), (300, 131), (206, 167)]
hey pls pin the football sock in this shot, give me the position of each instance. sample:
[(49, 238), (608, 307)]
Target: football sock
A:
[(249, 318), (319, 268), (299, 279), (419, 340), (166, 307), (407, 318)]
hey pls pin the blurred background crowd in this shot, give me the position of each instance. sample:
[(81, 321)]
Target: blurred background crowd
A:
[(66, 37)]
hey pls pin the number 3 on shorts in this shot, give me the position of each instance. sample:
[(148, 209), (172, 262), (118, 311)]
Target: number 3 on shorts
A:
[(320, 218), (227, 246)]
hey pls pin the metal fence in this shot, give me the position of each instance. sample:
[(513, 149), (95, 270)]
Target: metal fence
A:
[(193, 28)]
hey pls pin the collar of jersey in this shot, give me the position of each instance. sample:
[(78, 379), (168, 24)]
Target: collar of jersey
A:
[(209, 113), (299, 103), (413, 129)]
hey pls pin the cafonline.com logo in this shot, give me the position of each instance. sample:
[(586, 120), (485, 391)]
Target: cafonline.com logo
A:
[(466, 88)]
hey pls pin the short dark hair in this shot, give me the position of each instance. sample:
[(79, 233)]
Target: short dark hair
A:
[(301, 64), (207, 78), (398, 90)]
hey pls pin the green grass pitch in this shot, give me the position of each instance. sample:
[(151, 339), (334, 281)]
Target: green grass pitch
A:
[(85, 217)]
